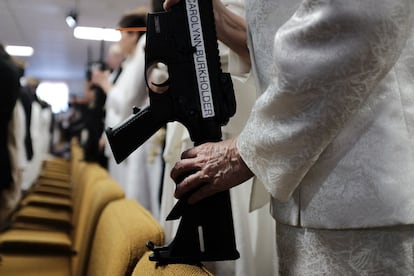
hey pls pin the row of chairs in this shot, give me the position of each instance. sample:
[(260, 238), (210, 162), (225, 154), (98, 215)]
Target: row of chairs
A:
[(76, 221)]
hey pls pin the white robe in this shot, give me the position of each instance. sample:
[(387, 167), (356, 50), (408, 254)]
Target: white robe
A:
[(334, 112), (335, 146), (125, 93), (41, 119), (140, 173), (16, 133)]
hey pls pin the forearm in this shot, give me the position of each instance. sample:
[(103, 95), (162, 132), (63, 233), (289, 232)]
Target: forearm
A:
[(231, 30)]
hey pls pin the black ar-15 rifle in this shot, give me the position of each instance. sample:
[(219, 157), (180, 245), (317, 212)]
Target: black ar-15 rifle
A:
[(201, 97)]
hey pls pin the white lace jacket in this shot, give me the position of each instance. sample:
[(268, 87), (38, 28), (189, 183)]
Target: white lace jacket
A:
[(331, 135)]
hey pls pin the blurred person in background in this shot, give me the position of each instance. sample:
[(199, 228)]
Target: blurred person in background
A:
[(40, 119), (104, 80), (9, 93), (140, 173), (94, 115)]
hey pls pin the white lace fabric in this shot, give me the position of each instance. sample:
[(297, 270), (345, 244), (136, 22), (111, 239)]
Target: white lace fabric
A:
[(331, 134), (376, 252)]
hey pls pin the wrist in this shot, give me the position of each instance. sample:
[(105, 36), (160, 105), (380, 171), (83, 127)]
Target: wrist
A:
[(244, 171)]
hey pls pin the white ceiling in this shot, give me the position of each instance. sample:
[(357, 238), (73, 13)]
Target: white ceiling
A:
[(58, 56)]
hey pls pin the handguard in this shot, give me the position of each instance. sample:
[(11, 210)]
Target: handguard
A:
[(201, 97)]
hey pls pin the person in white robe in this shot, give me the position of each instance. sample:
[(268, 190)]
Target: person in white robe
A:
[(40, 124), (140, 173), (18, 155), (330, 134), (11, 136)]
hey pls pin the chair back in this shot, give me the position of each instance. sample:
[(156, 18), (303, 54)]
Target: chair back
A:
[(120, 238)]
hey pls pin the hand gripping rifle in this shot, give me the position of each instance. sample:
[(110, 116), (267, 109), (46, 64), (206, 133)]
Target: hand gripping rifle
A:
[(201, 97)]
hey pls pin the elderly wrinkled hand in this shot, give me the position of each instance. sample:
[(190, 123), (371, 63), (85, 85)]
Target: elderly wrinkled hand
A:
[(208, 169)]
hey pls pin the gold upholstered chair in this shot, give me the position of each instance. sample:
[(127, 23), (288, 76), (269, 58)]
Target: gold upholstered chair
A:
[(150, 268), (120, 238), (43, 253), (97, 189)]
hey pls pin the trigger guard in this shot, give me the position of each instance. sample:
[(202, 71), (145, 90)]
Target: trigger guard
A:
[(162, 85)]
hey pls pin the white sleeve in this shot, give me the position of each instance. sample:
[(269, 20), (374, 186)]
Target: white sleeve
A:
[(328, 57)]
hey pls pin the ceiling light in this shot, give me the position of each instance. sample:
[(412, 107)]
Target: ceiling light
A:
[(24, 51), (92, 33), (72, 19)]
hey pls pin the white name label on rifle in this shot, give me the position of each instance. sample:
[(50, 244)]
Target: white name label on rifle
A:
[(200, 58)]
